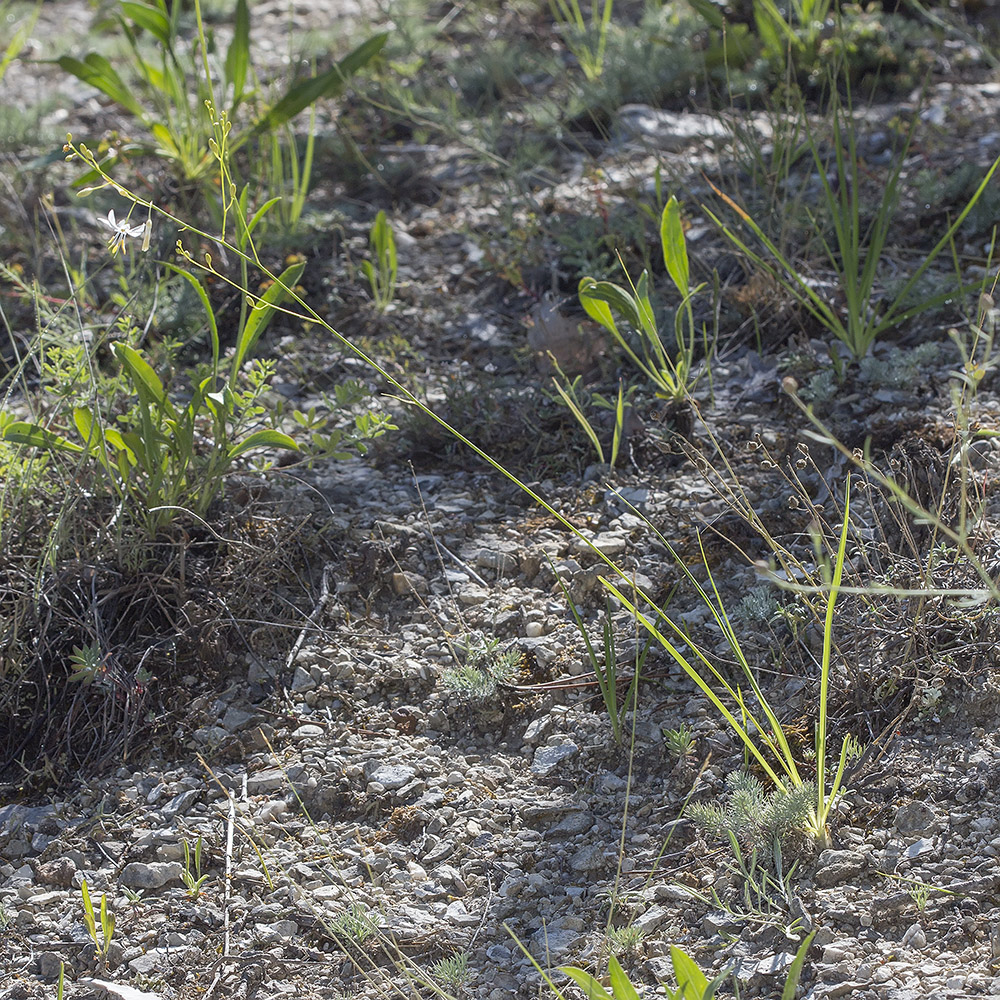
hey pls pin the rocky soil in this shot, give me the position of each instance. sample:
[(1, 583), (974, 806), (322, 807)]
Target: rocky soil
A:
[(365, 809)]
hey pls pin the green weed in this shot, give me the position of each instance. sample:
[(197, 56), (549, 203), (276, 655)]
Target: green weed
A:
[(855, 254), (102, 936), (608, 304), (173, 86), (381, 274)]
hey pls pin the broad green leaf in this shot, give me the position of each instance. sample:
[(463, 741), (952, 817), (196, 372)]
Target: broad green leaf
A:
[(238, 54), (592, 989), (328, 84), (597, 309), (262, 313), (675, 254), (692, 981), (98, 72), (263, 439), (710, 12), (21, 432), (117, 442), (144, 380), (153, 20), (616, 297)]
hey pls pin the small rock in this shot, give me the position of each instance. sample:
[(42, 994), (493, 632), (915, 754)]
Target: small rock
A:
[(179, 803), (393, 776), (155, 875), (279, 931), (59, 872), (459, 915), (268, 780), (302, 680), (588, 858), (837, 867), (915, 937), (236, 720), (914, 819), (405, 583), (49, 964), (547, 759)]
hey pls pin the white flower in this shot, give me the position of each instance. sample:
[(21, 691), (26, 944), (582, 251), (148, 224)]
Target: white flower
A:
[(120, 232)]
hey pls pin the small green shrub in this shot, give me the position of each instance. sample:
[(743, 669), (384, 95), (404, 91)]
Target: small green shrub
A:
[(486, 666), (755, 816)]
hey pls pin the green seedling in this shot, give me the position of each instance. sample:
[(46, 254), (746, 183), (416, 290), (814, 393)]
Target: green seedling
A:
[(381, 274), (692, 983), (680, 741), (605, 666), (175, 79), (856, 252), (102, 939), (622, 310), (571, 393), (191, 875)]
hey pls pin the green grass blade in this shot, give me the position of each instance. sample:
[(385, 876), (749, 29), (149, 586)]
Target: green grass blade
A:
[(238, 54)]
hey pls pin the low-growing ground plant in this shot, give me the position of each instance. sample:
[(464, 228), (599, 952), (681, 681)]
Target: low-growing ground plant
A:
[(756, 817), (670, 368), (485, 667), (452, 972)]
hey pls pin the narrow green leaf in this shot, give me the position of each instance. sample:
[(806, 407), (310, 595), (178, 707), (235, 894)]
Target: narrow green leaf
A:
[(692, 981), (675, 254), (711, 13), (153, 20), (213, 327), (238, 54), (328, 84), (263, 439), (98, 72), (795, 969), (144, 380), (262, 312), (621, 985), (20, 432)]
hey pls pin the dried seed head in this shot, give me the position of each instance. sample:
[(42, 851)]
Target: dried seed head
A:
[(790, 385)]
